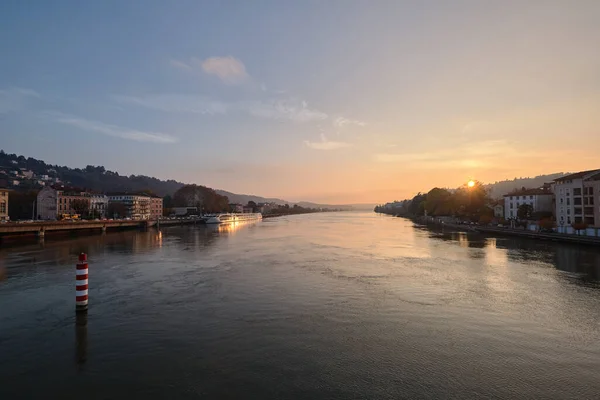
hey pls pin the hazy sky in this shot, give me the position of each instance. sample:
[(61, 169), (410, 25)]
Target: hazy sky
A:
[(329, 101)]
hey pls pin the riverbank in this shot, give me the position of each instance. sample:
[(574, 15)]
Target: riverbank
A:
[(555, 237)]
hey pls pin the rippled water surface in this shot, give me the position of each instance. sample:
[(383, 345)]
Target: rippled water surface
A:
[(332, 306)]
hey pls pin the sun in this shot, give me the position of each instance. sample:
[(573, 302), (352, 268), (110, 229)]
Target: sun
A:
[(471, 183)]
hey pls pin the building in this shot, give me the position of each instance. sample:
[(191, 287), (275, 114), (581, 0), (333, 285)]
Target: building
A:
[(135, 206), (236, 208), (156, 207), (247, 210), (540, 199), (27, 173), (47, 203), (98, 205), (55, 202), (4, 205), (593, 186), (499, 209), (577, 198)]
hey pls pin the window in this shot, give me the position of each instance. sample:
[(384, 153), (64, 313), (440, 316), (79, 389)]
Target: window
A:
[(577, 211), (530, 197), (577, 192), (3, 208), (511, 214), (568, 211), (568, 201), (577, 201), (562, 200), (568, 220)]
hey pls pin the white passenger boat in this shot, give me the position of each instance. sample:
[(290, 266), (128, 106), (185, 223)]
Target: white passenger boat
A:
[(229, 218)]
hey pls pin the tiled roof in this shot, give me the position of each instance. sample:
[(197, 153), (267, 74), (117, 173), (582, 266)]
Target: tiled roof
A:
[(577, 175)]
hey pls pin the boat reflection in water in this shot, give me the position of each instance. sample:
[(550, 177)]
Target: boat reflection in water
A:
[(231, 227), (230, 218)]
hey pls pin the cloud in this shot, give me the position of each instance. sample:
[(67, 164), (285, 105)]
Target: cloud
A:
[(229, 69), (340, 122), (325, 144), (14, 99), (177, 103), (180, 65), (291, 109), (114, 130)]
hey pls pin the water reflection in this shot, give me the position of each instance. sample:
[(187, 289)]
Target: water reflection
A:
[(583, 262), (81, 338), (63, 250)]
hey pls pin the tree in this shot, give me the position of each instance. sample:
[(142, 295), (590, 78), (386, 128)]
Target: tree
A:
[(81, 206), (21, 205), (116, 210), (167, 201), (546, 224), (525, 211), (439, 202), (205, 199)]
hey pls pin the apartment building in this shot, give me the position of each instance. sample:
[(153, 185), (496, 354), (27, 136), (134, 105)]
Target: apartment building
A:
[(4, 205), (98, 205), (135, 206), (540, 199), (577, 198), (54, 202), (156, 207)]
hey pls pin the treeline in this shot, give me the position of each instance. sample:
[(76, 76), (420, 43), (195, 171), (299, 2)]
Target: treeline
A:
[(465, 202), (296, 209), (205, 199)]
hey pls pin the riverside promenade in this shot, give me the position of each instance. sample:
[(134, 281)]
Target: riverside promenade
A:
[(555, 237), (42, 228)]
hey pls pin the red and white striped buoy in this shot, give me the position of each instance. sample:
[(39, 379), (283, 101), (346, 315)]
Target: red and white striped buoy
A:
[(81, 284)]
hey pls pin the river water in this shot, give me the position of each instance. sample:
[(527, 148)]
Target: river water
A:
[(321, 306)]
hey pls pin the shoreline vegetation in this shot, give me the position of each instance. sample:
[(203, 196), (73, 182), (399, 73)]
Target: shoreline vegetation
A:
[(470, 208)]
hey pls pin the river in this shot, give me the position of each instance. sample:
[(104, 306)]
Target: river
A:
[(322, 306)]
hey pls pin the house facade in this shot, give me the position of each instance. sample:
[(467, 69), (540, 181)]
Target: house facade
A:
[(577, 198), (53, 203), (156, 207), (540, 199), (4, 205), (136, 206), (98, 205), (499, 210)]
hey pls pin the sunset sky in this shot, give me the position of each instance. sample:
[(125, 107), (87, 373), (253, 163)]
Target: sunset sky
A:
[(328, 101)]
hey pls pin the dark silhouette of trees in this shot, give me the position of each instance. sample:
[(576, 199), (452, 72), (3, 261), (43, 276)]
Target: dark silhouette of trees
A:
[(525, 212), (81, 207), (205, 199), (116, 210)]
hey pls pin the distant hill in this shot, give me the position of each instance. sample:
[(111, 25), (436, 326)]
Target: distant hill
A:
[(500, 188), (245, 198), (97, 178)]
